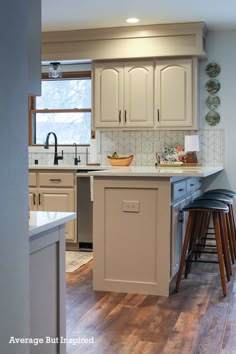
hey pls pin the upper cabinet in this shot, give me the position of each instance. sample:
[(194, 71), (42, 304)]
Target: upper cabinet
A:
[(123, 95), (146, 94), (175, 94)]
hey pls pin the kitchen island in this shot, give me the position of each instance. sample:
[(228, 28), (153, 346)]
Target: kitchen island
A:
[(47, 280), (138, 225)]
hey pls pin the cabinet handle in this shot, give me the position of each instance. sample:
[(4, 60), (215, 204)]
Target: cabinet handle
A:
[(34, 200), (55, 179), (180, 190), (181, 216), (125, 116), (158, 115), (119, 116), (39, 199), (192, 185)]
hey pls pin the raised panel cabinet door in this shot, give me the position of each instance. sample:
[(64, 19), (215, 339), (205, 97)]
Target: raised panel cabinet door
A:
[(174, 93), (59, 200), (33, 199), (108, 100), (138, 95)]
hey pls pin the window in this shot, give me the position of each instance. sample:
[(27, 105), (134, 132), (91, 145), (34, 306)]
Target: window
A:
[(64, 108)]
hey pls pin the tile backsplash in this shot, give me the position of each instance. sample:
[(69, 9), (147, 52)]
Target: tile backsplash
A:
[(143, 144)]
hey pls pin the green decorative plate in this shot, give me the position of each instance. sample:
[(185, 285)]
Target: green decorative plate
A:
[(213, 86), (213, 69), (212, 118), (213, 102)]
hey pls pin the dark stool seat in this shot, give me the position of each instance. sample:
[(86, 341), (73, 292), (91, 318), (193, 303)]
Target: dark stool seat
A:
[(228, 192), (199, 210)]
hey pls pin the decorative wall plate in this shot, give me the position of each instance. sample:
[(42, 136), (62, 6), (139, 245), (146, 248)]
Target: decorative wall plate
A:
[(213, 69), (212, 118), (213, 86), (213, 102)]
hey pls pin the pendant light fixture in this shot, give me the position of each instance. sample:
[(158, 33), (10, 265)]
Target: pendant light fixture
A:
[(54, 70)]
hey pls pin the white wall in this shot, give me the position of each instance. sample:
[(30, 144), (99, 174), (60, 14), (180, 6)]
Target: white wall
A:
[(220, 47), (14, 254)]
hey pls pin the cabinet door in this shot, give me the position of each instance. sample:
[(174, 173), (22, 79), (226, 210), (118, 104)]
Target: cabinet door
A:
[(59, 200), (174, 93), (138, 95), (33, 199), (108, 99), (177, 236)]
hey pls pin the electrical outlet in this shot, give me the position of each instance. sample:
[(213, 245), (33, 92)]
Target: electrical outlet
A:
[(131, 206)]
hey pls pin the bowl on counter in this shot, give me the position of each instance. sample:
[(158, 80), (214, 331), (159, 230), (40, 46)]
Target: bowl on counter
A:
[(120, 161)]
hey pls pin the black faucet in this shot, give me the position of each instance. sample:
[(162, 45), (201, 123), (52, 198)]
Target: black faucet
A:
[(76, 160), (46, 146)]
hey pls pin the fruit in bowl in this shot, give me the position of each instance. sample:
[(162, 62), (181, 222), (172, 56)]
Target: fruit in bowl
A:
[(116, 160)]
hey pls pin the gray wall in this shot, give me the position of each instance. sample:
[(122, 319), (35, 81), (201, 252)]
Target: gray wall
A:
[(221, 48), (14, 259)]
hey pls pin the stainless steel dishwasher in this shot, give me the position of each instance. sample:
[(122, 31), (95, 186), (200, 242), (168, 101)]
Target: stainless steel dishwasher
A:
[(84, 211)]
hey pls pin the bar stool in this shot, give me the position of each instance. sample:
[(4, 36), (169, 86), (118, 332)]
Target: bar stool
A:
[(230, 230), (232, 195), (199, 210)]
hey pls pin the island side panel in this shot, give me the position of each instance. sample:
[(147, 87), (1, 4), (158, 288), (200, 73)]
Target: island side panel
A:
[(131, 235), (47, 290)]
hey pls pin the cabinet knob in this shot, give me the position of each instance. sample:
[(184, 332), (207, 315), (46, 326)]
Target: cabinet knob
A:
[(55, 179)]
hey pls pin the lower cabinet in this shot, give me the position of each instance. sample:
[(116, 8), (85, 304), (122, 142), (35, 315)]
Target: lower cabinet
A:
[(183, 193), (54, 192), (177, 233)]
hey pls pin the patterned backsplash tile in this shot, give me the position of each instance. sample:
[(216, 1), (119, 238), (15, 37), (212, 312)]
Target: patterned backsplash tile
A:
[(144, 145)]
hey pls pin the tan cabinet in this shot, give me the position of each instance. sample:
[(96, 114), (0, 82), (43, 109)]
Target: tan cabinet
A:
[(123, 95), (175, 94), (54, 191)]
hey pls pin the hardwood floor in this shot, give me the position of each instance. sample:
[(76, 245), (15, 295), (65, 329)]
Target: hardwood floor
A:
[(196, 320)]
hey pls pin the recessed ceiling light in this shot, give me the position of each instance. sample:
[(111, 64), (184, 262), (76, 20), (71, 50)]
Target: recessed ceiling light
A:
[(132, 20)]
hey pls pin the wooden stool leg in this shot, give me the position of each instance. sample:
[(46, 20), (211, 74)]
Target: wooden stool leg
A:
[(193, 242), (230, 236), (219, 251), (185, 247), (233, 228), (225, 245)]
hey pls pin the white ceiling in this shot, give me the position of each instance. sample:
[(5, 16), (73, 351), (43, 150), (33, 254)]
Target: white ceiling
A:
[(60, 15)]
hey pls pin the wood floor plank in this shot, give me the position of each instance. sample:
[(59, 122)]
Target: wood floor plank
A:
[(229, 340), (198, 319), (212, 329), (182, 338)]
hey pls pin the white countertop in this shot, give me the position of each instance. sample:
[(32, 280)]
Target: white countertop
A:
[(142, 171), (40, 221), (150, 171), (68, 167)]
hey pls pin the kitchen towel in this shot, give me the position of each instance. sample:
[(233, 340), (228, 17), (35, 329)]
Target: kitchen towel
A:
[(93, 156)]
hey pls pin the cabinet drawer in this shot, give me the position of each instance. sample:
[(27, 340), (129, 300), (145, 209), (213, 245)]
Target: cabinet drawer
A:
[(179, 189), (32, 179), (199, 183), (191, 184), (56, 179)]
